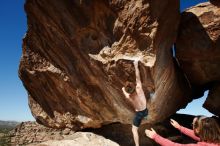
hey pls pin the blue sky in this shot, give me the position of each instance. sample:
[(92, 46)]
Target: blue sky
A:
[(13, 96), (188, 3)]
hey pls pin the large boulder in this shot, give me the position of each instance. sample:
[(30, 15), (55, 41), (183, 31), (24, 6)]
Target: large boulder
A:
[(198, 52), (77, 56)]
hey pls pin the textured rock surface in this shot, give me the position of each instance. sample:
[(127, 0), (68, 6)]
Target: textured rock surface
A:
[(215, 2), (198, 52), (81, 139), (69, 64)]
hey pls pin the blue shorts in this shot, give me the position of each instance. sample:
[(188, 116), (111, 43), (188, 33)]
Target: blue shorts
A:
[(139, 116)]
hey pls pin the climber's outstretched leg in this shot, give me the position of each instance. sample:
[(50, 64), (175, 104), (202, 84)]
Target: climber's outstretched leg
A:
[(135, 135)]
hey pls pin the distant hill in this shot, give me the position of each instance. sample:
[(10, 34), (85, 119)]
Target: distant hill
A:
[(9, 123), (6, 126)]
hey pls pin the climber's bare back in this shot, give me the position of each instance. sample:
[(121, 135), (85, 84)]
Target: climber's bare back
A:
[(139, 100)]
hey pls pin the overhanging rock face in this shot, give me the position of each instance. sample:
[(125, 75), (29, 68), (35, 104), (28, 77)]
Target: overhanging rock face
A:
[(77, 56), (198, 52), (215, 2)]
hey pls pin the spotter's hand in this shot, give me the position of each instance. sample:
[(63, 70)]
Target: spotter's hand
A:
[(150, 133), (174, 123)]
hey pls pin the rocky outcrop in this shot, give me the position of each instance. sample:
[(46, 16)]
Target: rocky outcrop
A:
[(197, 50), (34, 134), (77, 56)]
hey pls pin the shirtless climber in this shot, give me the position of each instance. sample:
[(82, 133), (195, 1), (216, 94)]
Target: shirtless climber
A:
[(135, 95)]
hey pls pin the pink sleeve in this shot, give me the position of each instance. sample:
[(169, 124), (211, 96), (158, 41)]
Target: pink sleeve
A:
[(165, 142), (189, 133)]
